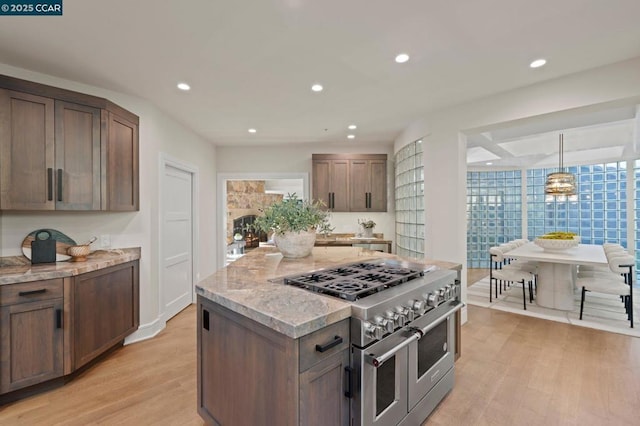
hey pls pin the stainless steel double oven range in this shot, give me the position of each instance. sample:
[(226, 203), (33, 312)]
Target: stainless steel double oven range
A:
[(402, 336)]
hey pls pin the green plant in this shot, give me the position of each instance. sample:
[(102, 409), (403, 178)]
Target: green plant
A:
[(291, 215), (366, 223)]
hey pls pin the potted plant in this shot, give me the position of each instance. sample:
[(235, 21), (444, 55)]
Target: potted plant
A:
[(367, 227), (294, 222)]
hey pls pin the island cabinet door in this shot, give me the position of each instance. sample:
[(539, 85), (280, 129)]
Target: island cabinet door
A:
[(247, 373), (322, 392)]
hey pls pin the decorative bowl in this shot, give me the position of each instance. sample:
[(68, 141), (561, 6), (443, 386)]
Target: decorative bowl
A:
[(549, 244), (79, 253)]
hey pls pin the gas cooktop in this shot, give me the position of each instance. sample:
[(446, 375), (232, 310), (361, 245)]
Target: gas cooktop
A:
[(356, 280)]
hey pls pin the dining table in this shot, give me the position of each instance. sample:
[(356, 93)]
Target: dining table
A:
[(557, 270)]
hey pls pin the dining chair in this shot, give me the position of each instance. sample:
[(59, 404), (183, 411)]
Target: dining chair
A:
[(499, 272), (611, 283)]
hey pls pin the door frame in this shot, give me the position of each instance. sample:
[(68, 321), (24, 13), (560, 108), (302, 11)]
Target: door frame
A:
[(167, 160), (222, 200)]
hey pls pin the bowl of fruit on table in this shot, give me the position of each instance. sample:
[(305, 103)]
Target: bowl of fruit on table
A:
[(558, 241)]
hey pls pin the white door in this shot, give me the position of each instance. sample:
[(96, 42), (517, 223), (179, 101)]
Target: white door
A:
[(177, 230)]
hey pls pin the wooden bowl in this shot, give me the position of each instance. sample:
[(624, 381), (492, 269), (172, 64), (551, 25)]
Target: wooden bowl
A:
[(79, 253)]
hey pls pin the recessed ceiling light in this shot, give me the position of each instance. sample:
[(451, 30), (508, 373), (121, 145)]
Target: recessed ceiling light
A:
[(252, 130), (538, 63), (402, 58), (352, 127), (489, 163), (351, 136), (317, 87), (184, 86)]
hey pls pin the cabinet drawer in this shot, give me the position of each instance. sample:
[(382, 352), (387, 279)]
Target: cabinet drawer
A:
[(11, 294), (311, 355)]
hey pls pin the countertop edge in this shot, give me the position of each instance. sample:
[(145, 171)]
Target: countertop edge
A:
[(100, 259)]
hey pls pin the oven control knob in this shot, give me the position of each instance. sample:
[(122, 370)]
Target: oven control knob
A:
[(394, 318), (402, 315), (442, 294), (372, 330), (432, 299), (452, 290), (384, 324), (446, 291), (418, 307)]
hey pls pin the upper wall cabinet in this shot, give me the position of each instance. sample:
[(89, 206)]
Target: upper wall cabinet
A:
[(351, 182), (62, 150)]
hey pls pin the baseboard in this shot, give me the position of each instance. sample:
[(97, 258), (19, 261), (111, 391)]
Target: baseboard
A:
[(146, 331)]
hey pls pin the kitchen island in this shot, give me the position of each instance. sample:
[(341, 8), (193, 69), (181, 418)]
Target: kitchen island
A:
[(269, 353)]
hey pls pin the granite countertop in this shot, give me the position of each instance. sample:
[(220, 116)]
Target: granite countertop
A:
[(18, 269), (244, 287)]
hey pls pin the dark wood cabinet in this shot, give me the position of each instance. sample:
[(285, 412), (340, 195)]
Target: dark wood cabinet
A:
[(251, 374), (65, 150), (31, 334), (322, 387), (331, 183), (26, 151), (77, 171), (104, 310), (368, 179), (351, 182), (120, 163)]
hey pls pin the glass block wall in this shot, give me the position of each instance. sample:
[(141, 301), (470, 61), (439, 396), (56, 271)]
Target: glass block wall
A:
[(409, 189), (636, 210), (600, 214), (494, 212)]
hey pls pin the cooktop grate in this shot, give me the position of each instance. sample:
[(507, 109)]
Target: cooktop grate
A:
[(355, 281)]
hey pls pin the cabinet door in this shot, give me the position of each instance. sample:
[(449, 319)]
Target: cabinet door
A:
[(378, 188), (26, 151), (105, 310), (31, 343), (321, 173), (331, 184), (322, 392), (340, 185), (360, 185), (120, 164), (77, 144)]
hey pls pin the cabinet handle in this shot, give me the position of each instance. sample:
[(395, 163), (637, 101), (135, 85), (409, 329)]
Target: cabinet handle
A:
[(58, 318), (333, 200), (59, 184), (350, 382), (30, 292), (205, 319), (329, 200), (335, 342), (50, 184)]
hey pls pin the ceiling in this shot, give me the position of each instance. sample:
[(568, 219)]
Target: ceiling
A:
[(251, 63)]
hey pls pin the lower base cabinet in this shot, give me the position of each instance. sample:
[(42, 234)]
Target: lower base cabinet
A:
[(50, 328), (32, 343), (250, 374), (105, 310)]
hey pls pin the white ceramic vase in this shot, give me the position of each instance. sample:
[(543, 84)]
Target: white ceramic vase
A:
[(295, 244), (367, 232)]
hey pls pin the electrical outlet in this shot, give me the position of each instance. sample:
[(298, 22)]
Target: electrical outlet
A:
[(105, 241)]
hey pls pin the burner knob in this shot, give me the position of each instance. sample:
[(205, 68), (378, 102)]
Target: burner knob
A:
[(418, 307), (384, 324), (403, 313), (372, 331), (432, 299), (394, 318), (441, 294), (446, 292)]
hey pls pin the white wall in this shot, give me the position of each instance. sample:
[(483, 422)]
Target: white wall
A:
[(158, 133), (297, 159), (445, 142)]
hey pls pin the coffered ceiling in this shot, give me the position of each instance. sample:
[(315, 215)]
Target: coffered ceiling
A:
[(251, 63)]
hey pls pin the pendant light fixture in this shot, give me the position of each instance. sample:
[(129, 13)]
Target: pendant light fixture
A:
[(560, 185)]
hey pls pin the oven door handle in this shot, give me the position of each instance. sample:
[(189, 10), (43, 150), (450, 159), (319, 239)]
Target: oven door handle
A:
[(441, 318), (377, 361)]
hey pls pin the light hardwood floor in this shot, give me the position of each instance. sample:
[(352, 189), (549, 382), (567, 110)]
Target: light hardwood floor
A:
[(514, 370)]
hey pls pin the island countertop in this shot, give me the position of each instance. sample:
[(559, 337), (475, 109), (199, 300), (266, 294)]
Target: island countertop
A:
[(244, 287), (18, 269)]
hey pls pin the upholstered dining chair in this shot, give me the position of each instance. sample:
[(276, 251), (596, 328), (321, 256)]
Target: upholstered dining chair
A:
[(500, 273), (618, 282)]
